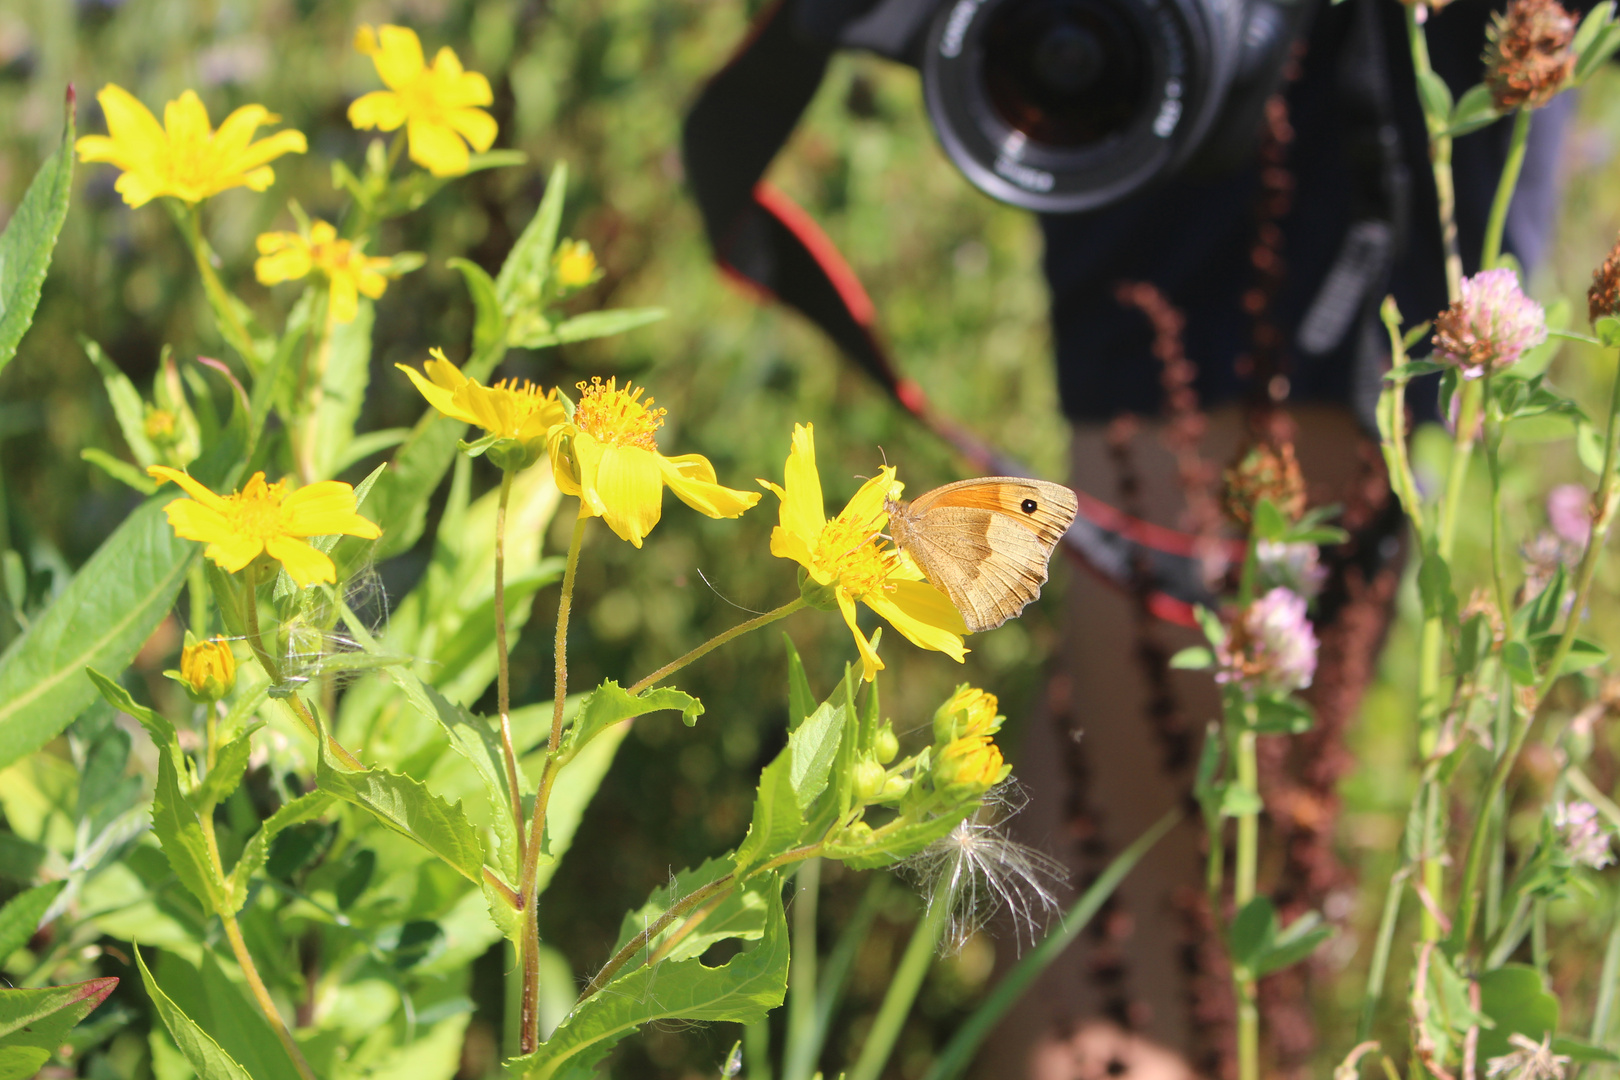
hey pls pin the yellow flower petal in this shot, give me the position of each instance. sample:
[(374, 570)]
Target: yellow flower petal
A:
[(343, 298), (786, 544), (437, 396), (303, 563), (474, 125), (380, 109), (191, 520), (691, 478), (923, 614), (195, 489), (398, 56), (437, 148), (323, 509), (233, 551), (282, 257), (803, 511), (623, 485), (870, 664)]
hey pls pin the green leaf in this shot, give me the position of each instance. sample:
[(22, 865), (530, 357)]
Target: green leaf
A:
[(1294, 944), (372, 442), (740, 914), (528, 264), (1252, 933), (157, 726), (34, 1023), (610, 704), (811, 749), (801, 702), (102, 619), (205, 1055), (409, 808), (225, 1012), (1193, 658), (344, 378), (1592, 26), (1412, 369), (1537, 615), (1520, 664), (180, 833), (1474, 110), (20, 917), (903, 843), (1269, 522), (778, 820), (1239, 801), (302, 809), (1282, 716), (1515, 999), (1583, 653), (743, 990), (1435, 96), (1602, 39), (29, 238), (592, 324), (1210, 623), (489, 326), (1608, 327), (226, 775), (119, 470), (128, 407), (1576, 1050)]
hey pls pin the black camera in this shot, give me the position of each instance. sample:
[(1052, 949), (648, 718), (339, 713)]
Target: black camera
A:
[(1061, 106)]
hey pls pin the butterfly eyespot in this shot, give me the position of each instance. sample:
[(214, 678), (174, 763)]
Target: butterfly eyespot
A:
[(1028, 506)]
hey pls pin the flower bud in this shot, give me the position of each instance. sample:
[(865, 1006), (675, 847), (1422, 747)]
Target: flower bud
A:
[(869, 777), (969, 766), (1265, 471), (575, 265), (969, 711), (1528, 57), (207, 669), (159, 426), (1603, 298), (885, 744), (819, 596)]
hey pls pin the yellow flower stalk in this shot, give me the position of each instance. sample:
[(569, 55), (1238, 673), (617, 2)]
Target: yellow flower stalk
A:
[(511, 409), (436, 105), (847, 556), (607, 456), (185, 157), (266, 518), (290, 256)]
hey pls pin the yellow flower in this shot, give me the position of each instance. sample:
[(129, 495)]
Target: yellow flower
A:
[(207, 669), (286, 256), (607, 456), (266, 518), (847, 556), (509, 410), (185, 157), (970, 711), (969, 766), (575, 264), (436, 104)]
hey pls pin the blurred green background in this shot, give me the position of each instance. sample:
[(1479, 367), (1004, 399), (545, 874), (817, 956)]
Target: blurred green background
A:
[(601, 85)]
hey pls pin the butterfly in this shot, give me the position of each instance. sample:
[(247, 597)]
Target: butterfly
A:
[(985, 542)]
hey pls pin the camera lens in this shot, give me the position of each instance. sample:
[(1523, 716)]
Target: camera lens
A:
[(1065, 73)]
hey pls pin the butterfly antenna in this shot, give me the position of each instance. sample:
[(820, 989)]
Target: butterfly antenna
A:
[(722, 596)]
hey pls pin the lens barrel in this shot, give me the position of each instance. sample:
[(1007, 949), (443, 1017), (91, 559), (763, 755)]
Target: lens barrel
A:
[(1061, 106)]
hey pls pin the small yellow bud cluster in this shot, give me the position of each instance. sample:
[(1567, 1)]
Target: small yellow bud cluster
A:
[(207, 669), (968, 762)]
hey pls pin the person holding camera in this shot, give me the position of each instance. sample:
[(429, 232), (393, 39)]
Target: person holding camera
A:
[(1227, 189)]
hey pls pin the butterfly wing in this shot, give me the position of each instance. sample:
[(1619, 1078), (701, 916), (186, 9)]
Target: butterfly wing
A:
[(986, 542)]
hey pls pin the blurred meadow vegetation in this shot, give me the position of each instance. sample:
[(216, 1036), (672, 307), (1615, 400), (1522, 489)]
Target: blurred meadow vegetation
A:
[(601, 85)]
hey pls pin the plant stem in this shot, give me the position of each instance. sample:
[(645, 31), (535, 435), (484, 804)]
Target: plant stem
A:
[(231, 327), (903, 987), (537, 825), (261, 994), (502, 664), (1491, 253), (1605, 500), (718, 640), (1380, 957), (801, 1003), (1439, 158), (958, 1053), (1603, 1011), (687, 903), (1244, 873)]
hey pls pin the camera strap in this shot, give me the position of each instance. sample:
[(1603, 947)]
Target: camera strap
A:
[(771, 247)]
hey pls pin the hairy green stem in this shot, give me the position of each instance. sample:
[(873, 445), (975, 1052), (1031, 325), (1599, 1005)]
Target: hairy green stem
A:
[(1439, 157), (1244, 872), (718, 640), (503, 677), (1491, 252), (537, 826)]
